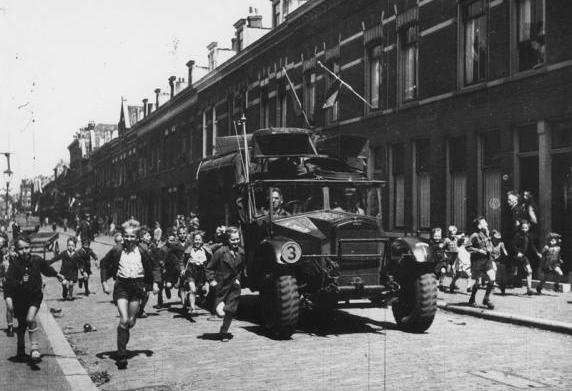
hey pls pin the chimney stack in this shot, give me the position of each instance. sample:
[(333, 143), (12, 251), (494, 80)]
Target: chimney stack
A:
[(157, 93), (145, 107), (190, 65), (254, 20), (172, 85)]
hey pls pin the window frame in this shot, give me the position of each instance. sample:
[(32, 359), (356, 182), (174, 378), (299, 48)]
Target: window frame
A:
[(514, 39), (463, 19), (403, 48)]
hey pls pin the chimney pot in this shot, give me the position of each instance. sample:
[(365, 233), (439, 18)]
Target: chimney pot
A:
[(172, 85), (145, 107), (157, 94), (190, 65)]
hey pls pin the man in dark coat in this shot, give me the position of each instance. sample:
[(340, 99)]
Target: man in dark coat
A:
[(224, 272), (133, 269)]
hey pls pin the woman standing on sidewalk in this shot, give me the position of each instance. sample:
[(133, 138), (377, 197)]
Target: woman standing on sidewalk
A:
[(133, 268), (24, 287)]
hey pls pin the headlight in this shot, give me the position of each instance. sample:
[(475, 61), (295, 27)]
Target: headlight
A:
[(291, 252)]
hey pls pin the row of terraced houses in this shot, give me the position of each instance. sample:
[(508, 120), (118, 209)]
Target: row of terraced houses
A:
[(468, 99)]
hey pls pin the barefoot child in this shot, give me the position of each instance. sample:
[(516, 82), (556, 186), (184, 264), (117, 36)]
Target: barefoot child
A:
[(24, 287)]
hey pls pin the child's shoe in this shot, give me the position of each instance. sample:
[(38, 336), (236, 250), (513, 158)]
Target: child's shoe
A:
[(529, 292), (556, 287), (539, 290), (489, 304), (10, 331)]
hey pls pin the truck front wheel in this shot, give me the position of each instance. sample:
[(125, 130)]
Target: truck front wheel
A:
[(280, 305), (416, 306)]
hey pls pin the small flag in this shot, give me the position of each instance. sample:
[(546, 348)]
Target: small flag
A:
[(298, 109), (332, 94)]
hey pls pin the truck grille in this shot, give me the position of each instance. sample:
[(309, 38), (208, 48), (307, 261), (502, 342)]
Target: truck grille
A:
[(354, 268)]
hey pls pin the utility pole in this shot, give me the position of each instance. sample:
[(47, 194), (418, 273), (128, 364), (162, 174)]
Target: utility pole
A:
[(7, 177)]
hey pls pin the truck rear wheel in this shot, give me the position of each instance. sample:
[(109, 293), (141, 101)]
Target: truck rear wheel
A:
[(280, 305), (416, 306)]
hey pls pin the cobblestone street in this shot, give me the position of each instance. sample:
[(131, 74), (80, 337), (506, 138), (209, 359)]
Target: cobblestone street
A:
[(357, 349)]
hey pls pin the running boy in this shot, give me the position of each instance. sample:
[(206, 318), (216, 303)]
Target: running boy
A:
[(24, 287), (132, 268), (83, 257), (68, 269), (482, 265), (224, 273)]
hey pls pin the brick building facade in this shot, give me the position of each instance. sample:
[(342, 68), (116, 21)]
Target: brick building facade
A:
[(469, 99)]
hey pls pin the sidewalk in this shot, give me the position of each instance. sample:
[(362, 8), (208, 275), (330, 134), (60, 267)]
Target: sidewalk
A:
[(549, 311), (16, 376)]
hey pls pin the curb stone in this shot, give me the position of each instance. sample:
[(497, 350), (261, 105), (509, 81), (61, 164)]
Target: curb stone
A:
[(551, 325), (74, 373)]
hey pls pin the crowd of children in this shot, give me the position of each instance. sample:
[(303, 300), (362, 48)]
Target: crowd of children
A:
[(483, 258)]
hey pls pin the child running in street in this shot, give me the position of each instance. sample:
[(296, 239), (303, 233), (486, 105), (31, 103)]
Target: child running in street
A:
[(69, 268), (462, 264), (500, 257), (194, 278), (133, 269), (5, 259), (550, 262), (83, 257), (482, 265), (524, 248), (224, 273), (24, 287), (437, 246)]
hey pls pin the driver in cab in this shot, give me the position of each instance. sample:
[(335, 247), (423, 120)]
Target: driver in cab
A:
[(277, 204)]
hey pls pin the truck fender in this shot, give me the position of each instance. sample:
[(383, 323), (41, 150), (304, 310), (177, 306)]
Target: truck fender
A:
[(410, 257)]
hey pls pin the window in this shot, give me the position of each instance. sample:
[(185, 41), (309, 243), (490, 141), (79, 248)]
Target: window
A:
[(285, 8), (281, 101), (408, 65), (275, 13), (530, 34), (457, 195), (374, 75), (264, 108), (398, 177), (423, 177), (474, 42), (310, 92)]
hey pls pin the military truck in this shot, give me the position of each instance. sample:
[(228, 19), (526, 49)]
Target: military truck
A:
[(311, 227)]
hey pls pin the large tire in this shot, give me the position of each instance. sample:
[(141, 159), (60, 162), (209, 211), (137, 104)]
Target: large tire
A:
[(280, 305), (416, 306)]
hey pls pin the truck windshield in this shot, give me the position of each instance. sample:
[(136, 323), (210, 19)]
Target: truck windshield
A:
[(287, 199)]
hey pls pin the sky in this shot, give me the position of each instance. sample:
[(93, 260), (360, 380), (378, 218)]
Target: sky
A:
[(64, 63)]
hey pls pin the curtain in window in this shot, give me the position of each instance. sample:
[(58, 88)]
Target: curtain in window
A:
[(399, 203), (459, 199), (375, 81), (525, 20), (470, 52), (410, 82), (424, 194)]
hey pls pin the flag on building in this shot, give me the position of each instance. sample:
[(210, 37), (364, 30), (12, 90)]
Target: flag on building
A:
[(332, 94)]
